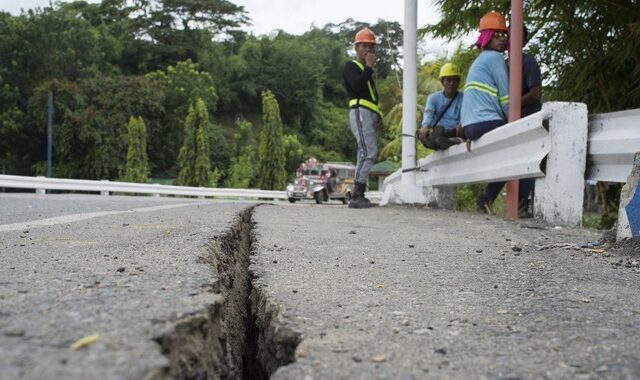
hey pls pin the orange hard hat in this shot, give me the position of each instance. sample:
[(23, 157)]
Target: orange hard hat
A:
[(493, 20), (365, 36)]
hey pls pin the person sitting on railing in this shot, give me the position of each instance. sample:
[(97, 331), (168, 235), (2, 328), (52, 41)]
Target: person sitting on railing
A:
[(441, 118), (486, 101), (486, 98), (531, 103)]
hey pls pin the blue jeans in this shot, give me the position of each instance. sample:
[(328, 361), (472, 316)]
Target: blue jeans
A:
[(363, 124)]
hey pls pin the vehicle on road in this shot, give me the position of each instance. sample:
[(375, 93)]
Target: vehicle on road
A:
[(322, 181)]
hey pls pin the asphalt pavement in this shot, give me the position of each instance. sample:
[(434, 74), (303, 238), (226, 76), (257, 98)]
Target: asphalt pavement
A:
[(413, 293), (382, 293), (125, 269)]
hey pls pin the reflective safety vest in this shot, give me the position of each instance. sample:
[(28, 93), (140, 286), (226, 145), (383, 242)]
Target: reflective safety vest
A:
[(364, 102)]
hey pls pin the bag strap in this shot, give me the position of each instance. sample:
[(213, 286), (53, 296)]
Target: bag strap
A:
[(446, 108)]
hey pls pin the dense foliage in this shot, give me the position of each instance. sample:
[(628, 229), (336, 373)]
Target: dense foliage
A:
[(589, 49), (136, 169), (271, 158), (194, 158), (106, 62)]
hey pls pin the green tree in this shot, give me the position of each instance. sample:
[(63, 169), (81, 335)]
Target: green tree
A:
[(271, 155), (242, 171), (56, 43), (428, 83), (184, 83), (176, 30), (294, 153), (38, 47), (136, 168), (588, 48), (187, 155), (89, 134), (194, 163)]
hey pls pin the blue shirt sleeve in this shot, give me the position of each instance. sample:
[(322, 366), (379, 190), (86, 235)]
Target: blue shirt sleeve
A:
[(429, 114)]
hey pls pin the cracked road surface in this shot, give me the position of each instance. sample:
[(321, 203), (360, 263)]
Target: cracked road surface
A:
[(337, 293), (404, 293)]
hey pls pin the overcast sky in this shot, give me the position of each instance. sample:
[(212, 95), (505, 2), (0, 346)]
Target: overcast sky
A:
[(297, 16)]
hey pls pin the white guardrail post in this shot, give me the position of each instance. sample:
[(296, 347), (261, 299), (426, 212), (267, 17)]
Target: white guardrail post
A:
[(559, 194), (40, 190), (104, 193)]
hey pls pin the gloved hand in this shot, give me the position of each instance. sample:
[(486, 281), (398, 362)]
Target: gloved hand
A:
[(423, 133)]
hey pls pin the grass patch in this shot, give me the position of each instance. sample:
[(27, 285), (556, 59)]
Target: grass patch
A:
[(467, 199)]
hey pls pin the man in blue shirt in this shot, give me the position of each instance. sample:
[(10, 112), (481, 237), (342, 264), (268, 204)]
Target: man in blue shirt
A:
[(441, 114)]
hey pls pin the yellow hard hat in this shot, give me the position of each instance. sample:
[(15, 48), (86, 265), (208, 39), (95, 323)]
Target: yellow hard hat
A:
[(449, 70)]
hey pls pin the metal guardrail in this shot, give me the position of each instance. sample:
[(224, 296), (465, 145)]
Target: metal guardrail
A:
[(500, 155), (614, 138), (550, 146), (41, 184)]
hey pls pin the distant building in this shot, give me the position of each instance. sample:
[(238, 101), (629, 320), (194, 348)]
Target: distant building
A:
[(382, 170)]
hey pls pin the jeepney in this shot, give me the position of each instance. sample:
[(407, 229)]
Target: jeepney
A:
[(322, 181)]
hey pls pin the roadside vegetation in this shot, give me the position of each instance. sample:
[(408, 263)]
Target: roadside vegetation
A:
[(203, 91)]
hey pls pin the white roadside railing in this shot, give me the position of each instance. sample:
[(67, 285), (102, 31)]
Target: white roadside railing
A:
[(614, 138), (614, 141), (41, 184), (503, 154), (106, 188), (549, 145)]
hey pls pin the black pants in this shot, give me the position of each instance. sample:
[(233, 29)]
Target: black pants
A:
[(525, 187), (492, 190)]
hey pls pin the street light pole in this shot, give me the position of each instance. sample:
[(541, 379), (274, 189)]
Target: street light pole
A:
[(50, 135), (409, 92)]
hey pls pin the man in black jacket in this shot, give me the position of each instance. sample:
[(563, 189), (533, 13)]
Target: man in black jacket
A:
[(365, 118)]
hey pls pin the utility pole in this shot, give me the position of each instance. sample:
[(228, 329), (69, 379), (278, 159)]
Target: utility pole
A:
[(50, 135)]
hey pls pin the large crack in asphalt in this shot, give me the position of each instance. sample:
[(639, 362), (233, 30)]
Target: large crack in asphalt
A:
[(238, 337)]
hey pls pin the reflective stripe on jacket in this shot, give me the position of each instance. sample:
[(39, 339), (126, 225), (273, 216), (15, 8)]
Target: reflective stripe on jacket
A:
[(486, 92), (361, 95)]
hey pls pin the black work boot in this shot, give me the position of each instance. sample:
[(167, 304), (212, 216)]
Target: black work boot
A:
[(358, 199)]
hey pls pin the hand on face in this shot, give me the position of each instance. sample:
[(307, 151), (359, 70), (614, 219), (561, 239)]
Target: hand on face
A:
[(367, 53), (370, 59)]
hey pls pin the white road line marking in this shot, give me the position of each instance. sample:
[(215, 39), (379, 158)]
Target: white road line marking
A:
[(78, 217)]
